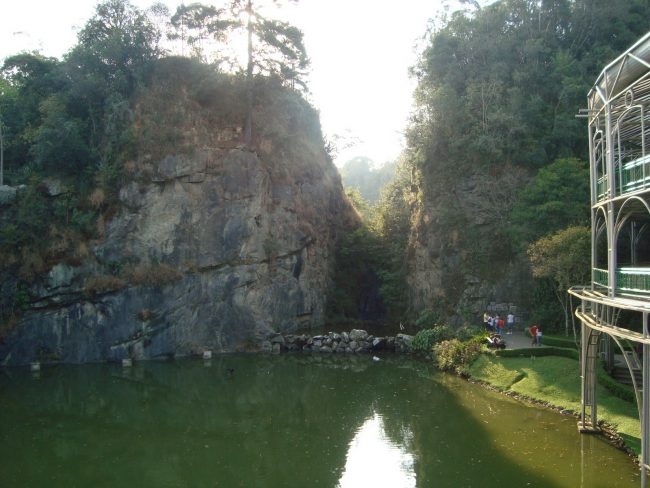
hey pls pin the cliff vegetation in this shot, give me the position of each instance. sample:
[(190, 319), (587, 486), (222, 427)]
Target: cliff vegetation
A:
[(497, 157)]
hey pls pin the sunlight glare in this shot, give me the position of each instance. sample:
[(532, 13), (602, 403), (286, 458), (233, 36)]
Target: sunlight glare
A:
[(374, 460)]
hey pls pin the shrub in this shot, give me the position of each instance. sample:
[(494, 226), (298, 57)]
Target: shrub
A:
[(425, 339), (103, 284), (97, 198), (559, 341), (539, 352), (624, 392), (427, 318), (468, 332), (152, 274), (566, 342), (454, 355), (146, 314)]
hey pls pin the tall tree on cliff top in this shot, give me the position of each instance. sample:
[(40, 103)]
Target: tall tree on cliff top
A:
[(274, 48), (116, 49), (117, 43), (196, 24)]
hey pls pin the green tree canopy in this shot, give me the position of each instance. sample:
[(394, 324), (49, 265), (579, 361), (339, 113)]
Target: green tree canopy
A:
[(558, 196), (362, 174), (116, 46), (197, 23), (565, 259)]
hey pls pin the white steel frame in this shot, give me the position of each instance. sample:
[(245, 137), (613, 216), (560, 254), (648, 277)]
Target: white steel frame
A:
[(619, 124)]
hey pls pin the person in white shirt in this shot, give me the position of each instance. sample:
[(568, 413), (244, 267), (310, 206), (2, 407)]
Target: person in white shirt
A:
[(511, 322)]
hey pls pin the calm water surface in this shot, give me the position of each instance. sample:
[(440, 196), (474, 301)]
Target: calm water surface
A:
[(286, 421)]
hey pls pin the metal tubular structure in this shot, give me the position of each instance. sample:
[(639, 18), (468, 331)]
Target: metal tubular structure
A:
[(619, 124)]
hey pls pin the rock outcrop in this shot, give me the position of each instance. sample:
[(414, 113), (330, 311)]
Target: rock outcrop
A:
[(216, 249), (457, 262)]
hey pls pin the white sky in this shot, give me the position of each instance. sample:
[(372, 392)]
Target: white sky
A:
[(360, 52)]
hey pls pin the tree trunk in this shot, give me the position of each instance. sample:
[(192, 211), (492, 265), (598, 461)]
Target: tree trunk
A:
[(565, 307), (248, 127)]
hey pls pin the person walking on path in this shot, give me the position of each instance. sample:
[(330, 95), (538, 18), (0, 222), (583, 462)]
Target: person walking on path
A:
[(500, 325), (538, 336), (533, 334), (511, 322)]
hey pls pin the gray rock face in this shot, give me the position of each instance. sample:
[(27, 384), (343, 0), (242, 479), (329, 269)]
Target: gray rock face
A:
[(439, 248), (7, 194), (253, 245)]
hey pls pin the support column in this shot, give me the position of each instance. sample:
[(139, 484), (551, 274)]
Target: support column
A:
[(589, 355), (645, 409)]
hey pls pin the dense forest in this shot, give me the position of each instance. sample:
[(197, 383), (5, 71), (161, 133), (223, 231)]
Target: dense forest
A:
[(492, 204), (363, 175), (498, 158)]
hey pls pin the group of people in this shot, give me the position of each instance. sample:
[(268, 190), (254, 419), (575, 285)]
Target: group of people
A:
[(497, 323)]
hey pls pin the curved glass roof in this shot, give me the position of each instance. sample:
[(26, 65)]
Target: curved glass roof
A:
[(630, 67)]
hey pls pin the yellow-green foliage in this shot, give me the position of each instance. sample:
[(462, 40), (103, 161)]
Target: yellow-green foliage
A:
[(454, 355), (425, 339)]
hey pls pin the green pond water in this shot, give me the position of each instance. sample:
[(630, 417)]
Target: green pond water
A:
[(286, 421)]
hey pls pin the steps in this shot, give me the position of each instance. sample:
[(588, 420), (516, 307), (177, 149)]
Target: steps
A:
[(622, 375)]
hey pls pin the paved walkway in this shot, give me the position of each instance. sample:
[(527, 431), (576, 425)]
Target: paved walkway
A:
[(517, 340)]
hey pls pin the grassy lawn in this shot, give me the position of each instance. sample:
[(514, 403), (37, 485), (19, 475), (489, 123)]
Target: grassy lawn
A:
[(557, 380)]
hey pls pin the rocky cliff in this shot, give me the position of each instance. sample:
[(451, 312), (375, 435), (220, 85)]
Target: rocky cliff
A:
[(460, 257), (212, 246)]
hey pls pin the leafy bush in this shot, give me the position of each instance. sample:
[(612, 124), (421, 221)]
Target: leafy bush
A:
[(466, 333), (425, 339), (566, 342), (539, 352), (557, 341), (427, 318), (624, 392), (454, 355)]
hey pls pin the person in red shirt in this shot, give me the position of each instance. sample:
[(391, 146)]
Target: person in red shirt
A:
[(533, 333)]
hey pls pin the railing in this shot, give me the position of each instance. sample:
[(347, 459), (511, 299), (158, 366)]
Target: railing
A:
[(629, 281), (633, 281), (601, 277), (632, 176), (601, 188)]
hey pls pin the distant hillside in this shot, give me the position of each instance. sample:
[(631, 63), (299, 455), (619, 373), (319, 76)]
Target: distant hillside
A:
[(361, 173)]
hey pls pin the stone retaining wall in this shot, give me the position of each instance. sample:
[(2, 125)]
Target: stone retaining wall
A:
[(355, 341)]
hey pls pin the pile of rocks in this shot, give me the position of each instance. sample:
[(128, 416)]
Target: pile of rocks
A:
[(355, 341)]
